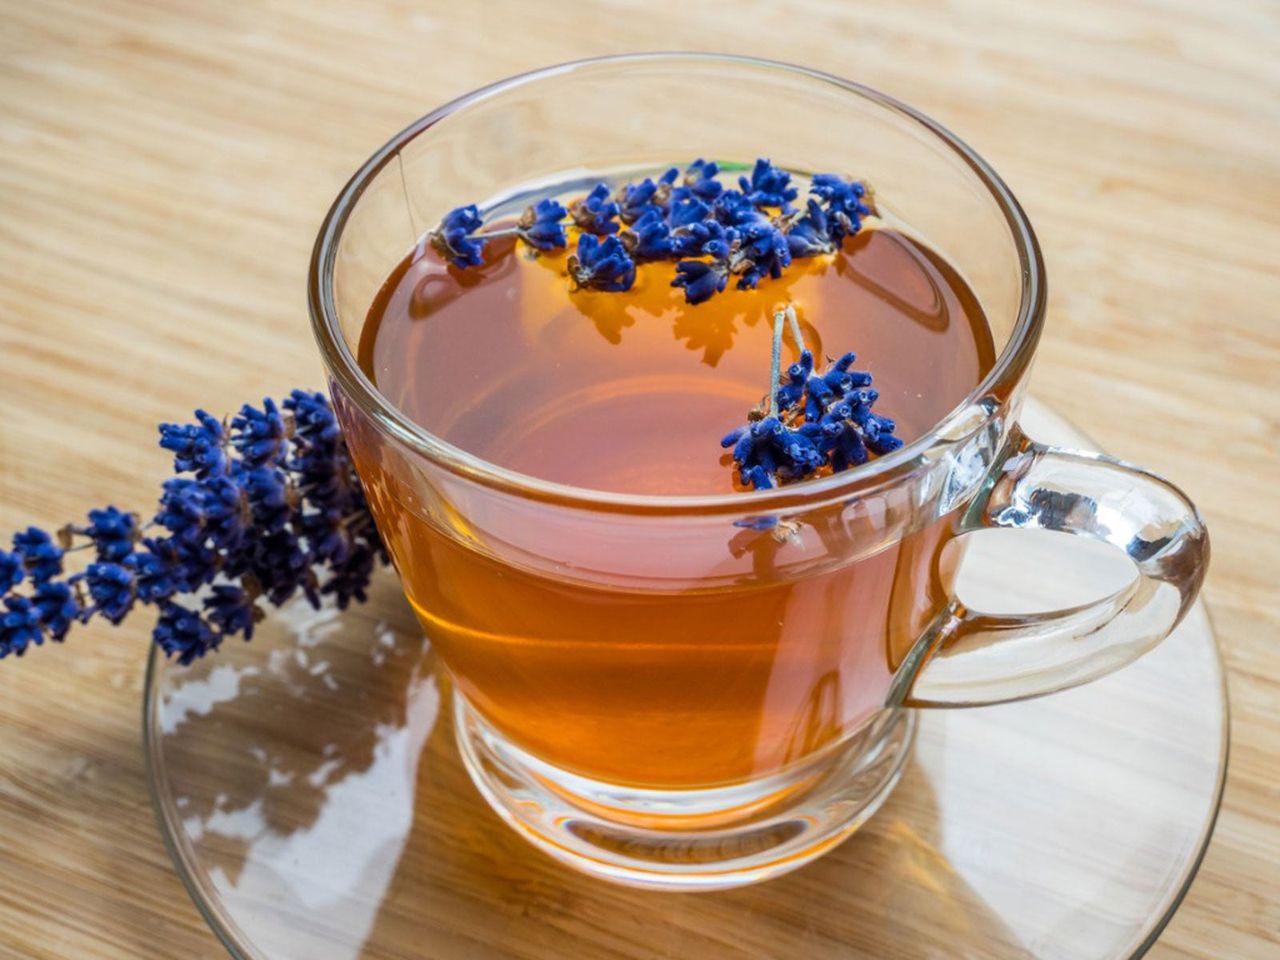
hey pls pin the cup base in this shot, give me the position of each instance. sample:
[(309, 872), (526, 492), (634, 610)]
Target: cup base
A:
[(710, 839)]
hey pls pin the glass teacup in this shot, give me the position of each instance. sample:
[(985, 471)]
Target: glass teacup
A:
[(639, 690)]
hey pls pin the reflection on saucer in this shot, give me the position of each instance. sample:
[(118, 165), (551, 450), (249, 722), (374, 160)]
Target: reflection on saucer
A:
[(316, 805)]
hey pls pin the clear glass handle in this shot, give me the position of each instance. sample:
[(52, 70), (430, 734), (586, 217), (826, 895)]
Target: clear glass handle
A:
[(968, 658)]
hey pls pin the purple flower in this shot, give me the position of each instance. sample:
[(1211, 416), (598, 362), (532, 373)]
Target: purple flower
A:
[(227, 509), (351, 576), (268, 497), (769, 186), (595, 212), (40, 555), (649, 237), (811, 234), (278, 562), (270, 517), (766, 248), (11, 571), (685, 213), (770, 230), (111, 589), (636, 199), (231, 610), (601, 265), (700, 180), (259, 435), (840, 379), (844, 206), (700, 238), (541, 225), (700, 280), (735, 210), (184, 633), (185, 510), (845, 445), (767, 452), (182, 509), (454, 238), (197, 447), (313, 417), (57, 607), (19, 626), (158, 572), (839, 429), (113, 533), (791, 392)]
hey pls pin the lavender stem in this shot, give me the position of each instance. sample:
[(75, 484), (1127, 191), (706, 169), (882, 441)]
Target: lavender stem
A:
[(794, 323), (775, 365)]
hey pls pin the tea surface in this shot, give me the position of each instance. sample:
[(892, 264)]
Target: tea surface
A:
[(631, 392)]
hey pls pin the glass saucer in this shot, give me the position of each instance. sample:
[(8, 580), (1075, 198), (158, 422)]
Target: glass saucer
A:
[(309, 790)]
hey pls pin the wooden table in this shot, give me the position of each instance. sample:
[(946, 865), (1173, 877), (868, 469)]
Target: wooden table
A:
[(163, 168)]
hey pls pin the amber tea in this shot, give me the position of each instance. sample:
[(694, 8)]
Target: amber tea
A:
[(628, 393)]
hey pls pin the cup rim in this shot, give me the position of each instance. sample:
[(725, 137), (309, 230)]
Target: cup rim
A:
[(1010, 365)]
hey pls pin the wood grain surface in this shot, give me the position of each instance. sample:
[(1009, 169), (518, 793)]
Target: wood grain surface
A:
[(163, 169)]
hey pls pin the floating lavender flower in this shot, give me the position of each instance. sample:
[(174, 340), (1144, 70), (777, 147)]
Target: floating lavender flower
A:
[(765, 249), (700, 280), (810, 235), (636, 199), (541, 225), (672, 217), (768, 186), (685, 213), (595, 212), (601, 265), (845, 208), (700, 180), (649, 237), (733, 209), (694, 237), (790, 393), (454, 239), (768, 453)]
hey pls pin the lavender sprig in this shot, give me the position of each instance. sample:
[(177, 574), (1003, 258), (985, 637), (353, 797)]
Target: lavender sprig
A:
[(714, 234), (262, 509), (809, 420)]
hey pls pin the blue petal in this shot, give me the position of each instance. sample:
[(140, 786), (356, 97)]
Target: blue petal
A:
[(700, 280), (768, 186), (453, 239), (541, 225), (595, 212), (602, 265)]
